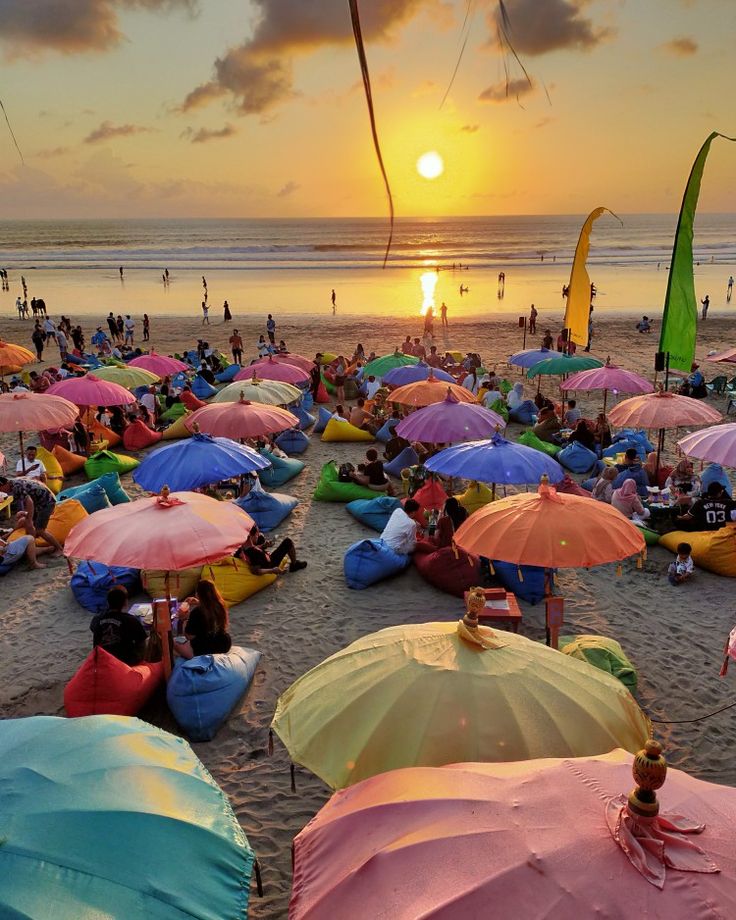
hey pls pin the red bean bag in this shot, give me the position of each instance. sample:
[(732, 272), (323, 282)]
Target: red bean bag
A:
[(322, 395), (138, 435), (191, 401), (70, 463), (570, 487), (431, 496), (454, 572), (103, 685)]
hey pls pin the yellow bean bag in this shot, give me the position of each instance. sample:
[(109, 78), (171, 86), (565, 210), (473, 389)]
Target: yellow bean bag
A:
[(327, 358), (714, 550), (344, 431), (181, 584), (177, 429), (64, 517), (475, 496), (54, 472), (70, 463), (235, 581)]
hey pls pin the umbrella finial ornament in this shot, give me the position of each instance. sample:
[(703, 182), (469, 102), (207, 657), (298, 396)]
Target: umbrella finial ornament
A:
[(469, 628), (195, 428), (650, 771)]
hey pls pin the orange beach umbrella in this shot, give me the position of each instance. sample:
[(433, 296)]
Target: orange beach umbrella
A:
[(429, 391), (14, 355)]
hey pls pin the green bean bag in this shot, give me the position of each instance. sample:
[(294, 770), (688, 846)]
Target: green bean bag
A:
[(500, 408), (604, 654), (176, 410), (651, 537), (531, 440), (330, 489), (107, 462)]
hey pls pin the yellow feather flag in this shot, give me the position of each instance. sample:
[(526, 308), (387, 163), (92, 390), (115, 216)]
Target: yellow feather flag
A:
[(577, 312)]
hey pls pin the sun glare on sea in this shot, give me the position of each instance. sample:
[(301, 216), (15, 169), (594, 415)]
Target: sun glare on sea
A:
[(430, 165)]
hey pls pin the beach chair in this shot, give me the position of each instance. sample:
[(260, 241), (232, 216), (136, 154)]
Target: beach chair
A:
[(717, 385)]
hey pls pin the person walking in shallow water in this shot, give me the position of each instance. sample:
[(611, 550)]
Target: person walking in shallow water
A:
[(443, 314), (729, 289), (205, 313), (227, 315), (334, 302)]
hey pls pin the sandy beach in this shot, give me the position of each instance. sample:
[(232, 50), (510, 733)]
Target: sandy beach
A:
[(674, 636)]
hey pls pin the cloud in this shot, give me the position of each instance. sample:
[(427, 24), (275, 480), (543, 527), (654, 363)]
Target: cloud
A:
[(257, 74), (288, 189), (203, 135), (680, 47), (470, 129), (108, 130), (70, 26), (551, 25), (51, 153), (501, 92)]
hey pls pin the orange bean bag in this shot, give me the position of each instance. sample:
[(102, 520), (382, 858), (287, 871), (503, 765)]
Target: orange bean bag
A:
[(431, 496), (138, 435), (103, 685), (70, 463), (100, 433), (191, 401)]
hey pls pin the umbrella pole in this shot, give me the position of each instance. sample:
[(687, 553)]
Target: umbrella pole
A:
[(605, 400), (22, 454), (163, 628), (660, 448)]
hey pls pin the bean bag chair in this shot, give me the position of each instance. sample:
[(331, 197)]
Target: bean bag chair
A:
[(54, 472), (330, 489), (228, 375), (369, 561), (524, 414), (604, 654), (651, 537), (407, 457), (182, 583), (530, 587), (323, 417), (449, 571), (70, 463), (570, 487), (344, 431), (110, 482), (92, 580), (190, 401), (306, 420), (138, 435), (531, 440), (476, 496), (307, 401), (63, 518), (202, 389), (177, 429), (577, 458), (176, 410), (203, 691), (92, 496), (179, 380), (322, 395), (106, 686), (714, 550), (587, 484), (293, 441), (714, 472), (268, 509), (386, 431), (235, 581), (631, 434), (374, 512), (620, 447), (500, 408), (431, 496), (99, 432), (107, 462), (280, 471)]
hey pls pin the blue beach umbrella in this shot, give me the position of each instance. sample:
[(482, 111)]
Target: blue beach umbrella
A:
[(108, 816), (531, 356), (196, 462), (413, 373), (496, 460)]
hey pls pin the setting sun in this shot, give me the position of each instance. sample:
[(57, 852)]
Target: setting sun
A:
[(430, 165)]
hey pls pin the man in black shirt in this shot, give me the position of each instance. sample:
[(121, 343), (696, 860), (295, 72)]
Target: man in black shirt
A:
[(261, 562), (115, 630), (711, 512)]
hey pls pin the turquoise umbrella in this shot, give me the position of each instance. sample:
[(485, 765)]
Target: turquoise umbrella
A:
[(107, 816), (563, 364), (380, 366)]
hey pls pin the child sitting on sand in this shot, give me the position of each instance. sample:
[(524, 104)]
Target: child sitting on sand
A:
[(683, 567)]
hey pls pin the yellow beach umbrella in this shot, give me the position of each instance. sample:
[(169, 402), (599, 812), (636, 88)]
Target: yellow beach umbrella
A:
[(270, 392), (128, 377), (423, 695)]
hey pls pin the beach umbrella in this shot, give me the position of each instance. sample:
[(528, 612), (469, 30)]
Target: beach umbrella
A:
[(306, 364), (550, 529), (161, 365), (412, 373), (548, 838), (108, 816), (495, 460), (90, 390), (562, 364), (273, 370), (449, 421), (14, 355), (716, 444), (128, 377), (531, 356), (23, 412), (196, 462), (241, 419), (269, 392), (608, 377), (729, 356), (423, 695), (429, 391), (380, 366)]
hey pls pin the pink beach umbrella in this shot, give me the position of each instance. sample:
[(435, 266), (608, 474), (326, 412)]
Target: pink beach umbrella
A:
[(550, 839), (241, 419), (35, 412), (716, 444), (662, 410), (272, 370), (608, 378), (91, 391), (450, 421), (161, 365), (304, 364)]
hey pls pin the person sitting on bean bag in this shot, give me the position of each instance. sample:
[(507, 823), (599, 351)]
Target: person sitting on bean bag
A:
[(453, 515), (394, 446), (118, 632), (371, 474), (583, 435), (548, 426), (255, 552), (710, 512), (627, 501), (603, 488), (205, 623), (632, 468), (400, 534)]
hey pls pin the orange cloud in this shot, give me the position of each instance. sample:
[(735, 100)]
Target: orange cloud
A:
[(681, 47), (107, 130)]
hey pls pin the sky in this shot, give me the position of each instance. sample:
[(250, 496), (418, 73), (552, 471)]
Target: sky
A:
[(254, 108)]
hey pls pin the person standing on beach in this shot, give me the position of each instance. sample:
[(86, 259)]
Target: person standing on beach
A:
[(39, 340), (129, 329), (49, 329), (204, 285), (533, 314), (271, 329), (166, 275), (226, 314), (706, 304), (334, 303), (236, 346), (146, 327), (729, 289), (120, 328), (121, 272), (429, 321), (443, 315), (205, 313), (111, 326)]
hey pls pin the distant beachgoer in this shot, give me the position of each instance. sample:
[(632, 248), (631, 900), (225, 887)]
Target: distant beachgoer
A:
[(49, 328), (706, 304), (263, 348), (429, 321), (146, 327), (644, 325), (166, 275), (205, 313), (334, 303), (729, 289), (547, 341), (227, 315), (121, 272), (443, 314), (129, 329), (533, 314), (271, 329), (38, 338), (236, 346)]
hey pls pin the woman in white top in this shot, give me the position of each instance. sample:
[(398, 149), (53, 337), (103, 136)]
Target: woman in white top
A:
[(263, 347), (472, 383)]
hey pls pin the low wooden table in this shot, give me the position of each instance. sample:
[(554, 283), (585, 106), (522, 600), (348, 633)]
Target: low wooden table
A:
[(510, 614)]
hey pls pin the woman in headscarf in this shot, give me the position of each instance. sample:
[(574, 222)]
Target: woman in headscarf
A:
[(515, 397), (603, 489), (683, 481), (627, 501), (656, 476), (602, 431)]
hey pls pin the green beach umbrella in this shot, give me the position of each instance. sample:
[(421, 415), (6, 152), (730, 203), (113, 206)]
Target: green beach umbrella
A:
[(563, 364), (380, 366), (108, 816)]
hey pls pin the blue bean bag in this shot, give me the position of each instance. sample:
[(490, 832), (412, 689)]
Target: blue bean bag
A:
[(589, 483), (714, 472), (524, 414), (620, 447), (531, 589), (632, 434), (268, 509), (407, 457), (110, 482), (202, 389), (386, 431), (280, 471), (228, 375), (179, 380), (369, 561), (306, 420), (307, 402), (203, 691), (92, 580), (91, 496), (374, 512), (323, 417), (577, 458), (293, 441)]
